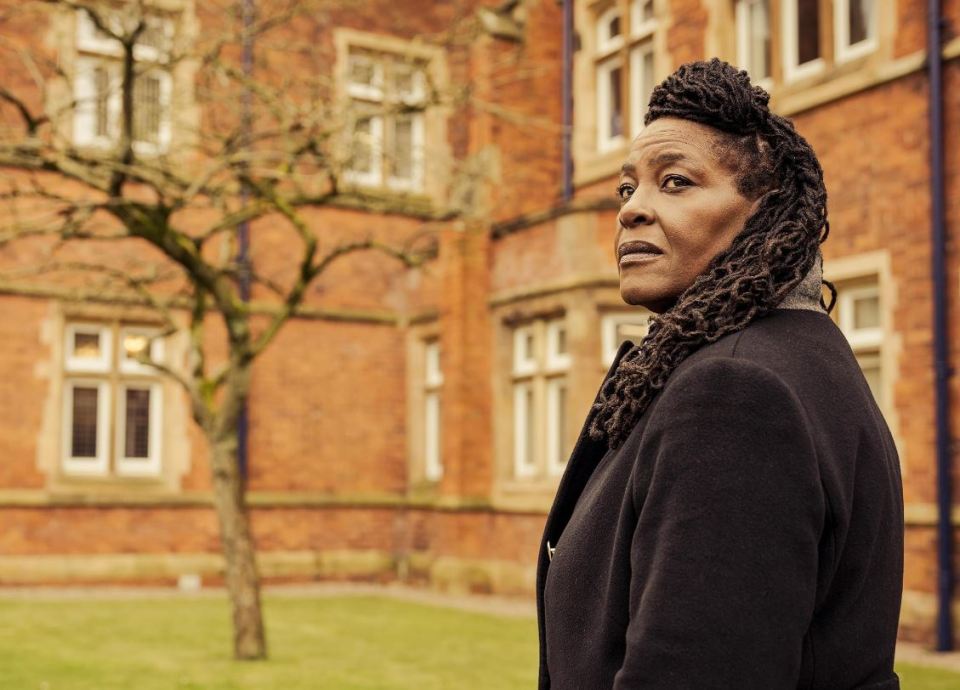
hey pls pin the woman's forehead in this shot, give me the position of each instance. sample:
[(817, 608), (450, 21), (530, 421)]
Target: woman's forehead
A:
[(669, 140)]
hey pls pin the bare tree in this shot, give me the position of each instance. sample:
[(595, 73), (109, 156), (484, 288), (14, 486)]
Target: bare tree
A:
[(162, 223)]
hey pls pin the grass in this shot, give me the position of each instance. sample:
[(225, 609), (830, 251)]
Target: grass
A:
[(343, 643)]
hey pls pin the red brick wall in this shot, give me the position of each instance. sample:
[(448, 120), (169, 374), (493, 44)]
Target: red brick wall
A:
[(328, 400)]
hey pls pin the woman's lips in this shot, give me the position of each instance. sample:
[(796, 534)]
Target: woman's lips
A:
[(639, 258), (637, 252)]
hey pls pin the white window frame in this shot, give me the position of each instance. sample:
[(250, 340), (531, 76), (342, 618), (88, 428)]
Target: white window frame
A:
[(98, 465), (524, 466), (76, 364), (94, 52), (88, 39), (844, 51), (610, 324), (744, 43), (111, 373), (607, 60), (139, 467), (433, 380), (638, 27), (524, 366), (639, 91), (607, 45), (859, 338), (605, 139), (789, 26), (359, 90), (374, 96)]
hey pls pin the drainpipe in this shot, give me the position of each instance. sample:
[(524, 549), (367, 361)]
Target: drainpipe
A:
[(940, 348), (567, 96), (243, 230)]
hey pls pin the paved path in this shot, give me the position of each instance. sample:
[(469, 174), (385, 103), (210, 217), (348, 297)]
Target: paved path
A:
[(916, 654), (518, 607)]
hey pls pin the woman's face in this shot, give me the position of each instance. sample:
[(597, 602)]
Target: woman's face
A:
[(680, 209)]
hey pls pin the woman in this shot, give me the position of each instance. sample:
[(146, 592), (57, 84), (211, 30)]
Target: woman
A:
[(732, 515)]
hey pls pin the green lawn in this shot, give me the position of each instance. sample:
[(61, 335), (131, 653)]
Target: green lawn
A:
[(342, 643)]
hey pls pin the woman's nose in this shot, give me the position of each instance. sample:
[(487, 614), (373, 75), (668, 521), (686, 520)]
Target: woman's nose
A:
[(634, 213)]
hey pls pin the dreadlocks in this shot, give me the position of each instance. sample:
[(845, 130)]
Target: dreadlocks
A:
[(776, 248)]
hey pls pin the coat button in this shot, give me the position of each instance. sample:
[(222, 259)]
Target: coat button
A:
[(550, 550)]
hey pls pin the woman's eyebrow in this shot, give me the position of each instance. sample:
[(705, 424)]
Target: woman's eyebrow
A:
[(661, 159)]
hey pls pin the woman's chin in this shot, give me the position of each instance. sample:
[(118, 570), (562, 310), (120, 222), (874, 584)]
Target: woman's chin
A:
[(657, 301)]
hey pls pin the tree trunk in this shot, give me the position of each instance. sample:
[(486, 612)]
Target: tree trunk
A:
[(243, 583)]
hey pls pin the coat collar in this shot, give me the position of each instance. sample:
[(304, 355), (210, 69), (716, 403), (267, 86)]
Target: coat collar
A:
[(806, 294)]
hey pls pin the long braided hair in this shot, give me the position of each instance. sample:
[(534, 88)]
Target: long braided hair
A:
[(772, 254)]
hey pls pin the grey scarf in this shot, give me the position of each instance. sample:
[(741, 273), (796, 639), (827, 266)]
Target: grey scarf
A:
[(806, 294)]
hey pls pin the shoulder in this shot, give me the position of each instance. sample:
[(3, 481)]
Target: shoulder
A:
[(727, 427), (725, 389)]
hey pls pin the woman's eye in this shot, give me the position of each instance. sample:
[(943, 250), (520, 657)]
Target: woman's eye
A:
[(625, 191), (674, 182)]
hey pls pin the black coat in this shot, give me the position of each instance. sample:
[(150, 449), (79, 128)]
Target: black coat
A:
[(747, 535)]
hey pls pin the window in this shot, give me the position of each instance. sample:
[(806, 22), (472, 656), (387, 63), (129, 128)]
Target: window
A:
[(803, 37), (624, 68), (855, 28), (387, 95), (858, 313), (541, 360), (433, 380), (619, 327), (98, 85), (112, 401), (753, 38)]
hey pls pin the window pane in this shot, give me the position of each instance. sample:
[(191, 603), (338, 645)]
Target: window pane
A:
[(646, 10), (646, 75), (101, 88), (860, 15), (362, 159), (870, 364), (758, 26), (613, 27), (615, 124), (530, 431), (561, 340), (153, 36), (432, 469), (808, 30), (402, 155), (146, 108), (866, 312), (527, 352), (524, 431), (407, 81), (86, 345), (137, 423), (84, 431), (561, 418), (134, 344), (434, 375), (557, 427), (361, 70)]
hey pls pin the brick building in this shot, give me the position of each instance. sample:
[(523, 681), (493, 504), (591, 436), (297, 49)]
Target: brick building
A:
[(413, 424)]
